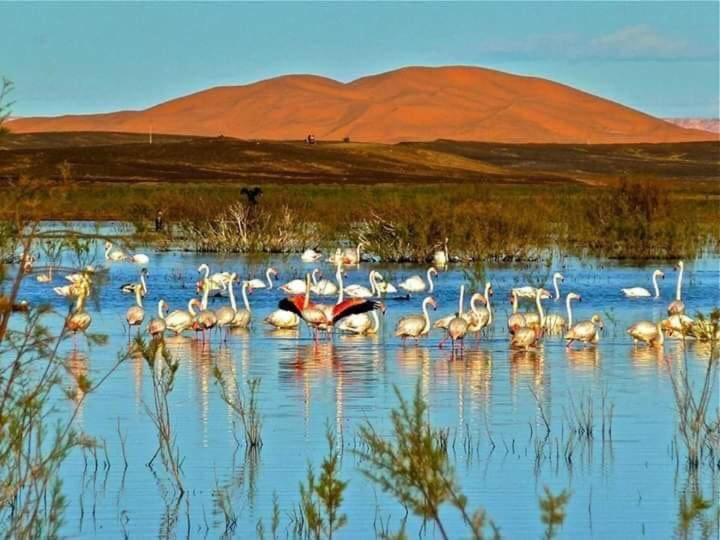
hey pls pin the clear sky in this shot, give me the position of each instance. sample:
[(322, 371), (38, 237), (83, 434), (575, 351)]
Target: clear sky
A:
[(660, 57)]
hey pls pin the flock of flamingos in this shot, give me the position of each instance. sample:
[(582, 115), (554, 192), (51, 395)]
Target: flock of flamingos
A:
[(355, 309)]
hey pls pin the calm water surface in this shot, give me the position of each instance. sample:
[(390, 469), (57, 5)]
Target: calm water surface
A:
[(623, 487)]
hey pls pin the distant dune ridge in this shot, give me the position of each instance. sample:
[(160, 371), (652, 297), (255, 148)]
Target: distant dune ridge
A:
[(705, 124), (409, 104)]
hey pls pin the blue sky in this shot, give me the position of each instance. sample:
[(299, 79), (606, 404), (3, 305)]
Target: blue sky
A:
[(659, 57)]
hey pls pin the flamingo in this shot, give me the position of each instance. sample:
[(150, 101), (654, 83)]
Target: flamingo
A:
[(226, 314), (217, 281), (324, 287), (528, 337), (135, 314), (441, 257), (242, 316), (555, 324), (79, 320), (520, 319), (139, 258), (260, 284), (640, 292), (283, 319), (458, 326), (297, 286), (360, 291), (352, 256), (205, 319), (648, 332), (585, 331), (45, 278), (180, 320), (114, 255), (677, 307), (680, 324), (381, 287), (310, 255), (157, 326), (416, 326), (317, 319), (484, 313), (415, 284), (127, 288), (361, 324)]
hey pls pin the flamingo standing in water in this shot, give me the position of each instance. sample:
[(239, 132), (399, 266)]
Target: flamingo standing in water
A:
[(528, 336), (458, 326), (585, 331), (256, 283), (114, 255), (128, 288), (135, 314), (179, 321), (647, 332), (205, 319), (157, 326), (441, 256), (677, 307), (310, 255), (416, 326), (79, 320), (555, 324), (641, 292), (415, 284), (317, 318)]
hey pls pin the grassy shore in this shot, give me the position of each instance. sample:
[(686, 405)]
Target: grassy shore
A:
[(491, 201)]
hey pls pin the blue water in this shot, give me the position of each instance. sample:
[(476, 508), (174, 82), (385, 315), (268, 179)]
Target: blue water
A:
[(625, 485)]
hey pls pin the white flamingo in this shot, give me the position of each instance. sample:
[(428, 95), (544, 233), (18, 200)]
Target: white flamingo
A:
[(179, 321), (324, 287), (360, 291), (114, 255), (135, 314), (677, 307), (416, 284), (641, 292), (157, 326), (416, 326), (381, 286), (256, 283), (297, 286), (139, 258), (557, 277), (528, 337), (310, 255), (217, 281), (555, 324)]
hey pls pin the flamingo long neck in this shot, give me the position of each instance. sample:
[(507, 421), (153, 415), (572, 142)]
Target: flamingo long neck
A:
[(269, 280), (161, 315), (206, 269), (430, 280), (341, 288), (314, 276), (138, 297), (143, 283), (661, 337), (655, 284), (374, 289), (568, 307), (426, 315), (107, 251), (231, 292), (541, 312), (445, 249), (678, 290), (376, 321), (487, 303), (245, 298), (514, 302), (460, 301), (306, 303), (357, 252), (191, 303), (557, 288), (206, 292), (473, 307)]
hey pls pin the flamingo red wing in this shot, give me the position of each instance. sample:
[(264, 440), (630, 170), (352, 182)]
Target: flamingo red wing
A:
[(354, 306)]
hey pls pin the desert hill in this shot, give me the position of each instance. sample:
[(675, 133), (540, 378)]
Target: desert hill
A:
[(409, 104)]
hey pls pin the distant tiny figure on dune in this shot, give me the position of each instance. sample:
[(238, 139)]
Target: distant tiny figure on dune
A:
[(252, 194)]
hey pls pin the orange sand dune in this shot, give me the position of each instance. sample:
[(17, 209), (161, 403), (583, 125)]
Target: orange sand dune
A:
[(410, 104)]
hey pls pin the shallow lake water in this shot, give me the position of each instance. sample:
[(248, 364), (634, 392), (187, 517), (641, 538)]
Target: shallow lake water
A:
[(624, 484)]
